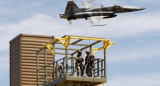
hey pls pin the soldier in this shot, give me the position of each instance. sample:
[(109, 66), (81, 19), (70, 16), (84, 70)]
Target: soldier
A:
[(79, 63), (60, 69), (89, 60)]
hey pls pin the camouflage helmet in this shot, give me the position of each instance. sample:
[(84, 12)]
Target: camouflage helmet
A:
[(87, 51), (79, 51)]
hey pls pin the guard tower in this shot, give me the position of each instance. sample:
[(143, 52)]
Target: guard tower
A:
[(64, 50)]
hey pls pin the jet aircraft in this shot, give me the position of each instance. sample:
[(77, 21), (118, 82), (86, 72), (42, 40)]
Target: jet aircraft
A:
[(92, 13)]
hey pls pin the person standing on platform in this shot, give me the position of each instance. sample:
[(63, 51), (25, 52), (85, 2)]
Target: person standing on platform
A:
[(79, 63), (89, 61), (60, 69)]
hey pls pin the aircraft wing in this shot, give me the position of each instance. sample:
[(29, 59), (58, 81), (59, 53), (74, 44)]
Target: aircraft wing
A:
[(87, 5), (95, 20)]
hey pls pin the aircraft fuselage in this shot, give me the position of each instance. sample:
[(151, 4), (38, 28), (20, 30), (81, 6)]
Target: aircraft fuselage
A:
[(106, 12)]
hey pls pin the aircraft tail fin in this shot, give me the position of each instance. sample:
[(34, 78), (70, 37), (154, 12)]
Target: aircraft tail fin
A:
[(71, 7)]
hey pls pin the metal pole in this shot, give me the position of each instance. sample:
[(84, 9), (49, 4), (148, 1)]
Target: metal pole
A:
[(45, 69), (37, 64), (102, 69), (72, 63), (90, 49), (94, 70), (98, 68), (53, 74), (57, 73), (64, 66), (105, 64), (66, 62)]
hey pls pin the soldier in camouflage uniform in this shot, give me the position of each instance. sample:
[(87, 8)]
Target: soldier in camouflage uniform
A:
[(60, 69), (89, 60), (79, 63)]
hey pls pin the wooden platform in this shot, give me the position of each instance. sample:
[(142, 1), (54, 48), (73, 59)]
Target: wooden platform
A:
[(77, 81)]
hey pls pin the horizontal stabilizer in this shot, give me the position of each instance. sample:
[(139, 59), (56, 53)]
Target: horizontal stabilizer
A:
[(100, 25)]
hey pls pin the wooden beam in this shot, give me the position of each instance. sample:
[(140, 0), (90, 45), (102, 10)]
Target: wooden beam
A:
[(75, 44), (68, 49), (77, 41), (62, 53), (87, 47)]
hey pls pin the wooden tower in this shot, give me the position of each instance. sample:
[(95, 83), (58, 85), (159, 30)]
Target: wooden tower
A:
[(23, 59)]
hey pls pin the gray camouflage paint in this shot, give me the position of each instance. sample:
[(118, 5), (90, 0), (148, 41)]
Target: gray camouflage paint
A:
[(73, 12)]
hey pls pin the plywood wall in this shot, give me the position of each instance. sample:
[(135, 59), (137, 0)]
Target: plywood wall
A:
[(23, 59)]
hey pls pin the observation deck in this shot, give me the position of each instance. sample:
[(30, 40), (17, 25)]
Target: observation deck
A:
[(64, 50)]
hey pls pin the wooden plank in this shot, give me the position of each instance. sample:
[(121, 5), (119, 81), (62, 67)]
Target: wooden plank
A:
[(40, 36), (32, 71), (34, 68), (37, 41), (28, 46), (29, 49), (30, 83), (40, 59), (34, 74), (34, 61), (28, 64), (31, 52), (30, 80), (33, 55), (32, 43), (77, 41), (33, 77)]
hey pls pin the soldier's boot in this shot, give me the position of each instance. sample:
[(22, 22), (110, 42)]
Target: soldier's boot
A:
[(82, 71), (87, 70), (91, 73), (58, 74)]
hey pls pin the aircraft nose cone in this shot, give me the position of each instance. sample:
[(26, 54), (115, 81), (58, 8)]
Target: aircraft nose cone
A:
[(132, 9), (137, 9)]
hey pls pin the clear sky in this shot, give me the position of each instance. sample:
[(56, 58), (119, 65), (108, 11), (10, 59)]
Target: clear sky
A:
[(133, 61)]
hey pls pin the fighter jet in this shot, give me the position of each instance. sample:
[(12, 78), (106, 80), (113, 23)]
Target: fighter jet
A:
[(92, 13)]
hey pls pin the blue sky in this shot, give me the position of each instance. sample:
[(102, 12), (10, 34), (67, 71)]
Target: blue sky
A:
[(133, 61)]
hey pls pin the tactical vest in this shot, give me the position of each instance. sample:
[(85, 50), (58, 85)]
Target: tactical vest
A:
[(90, 59), (79, 61)]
